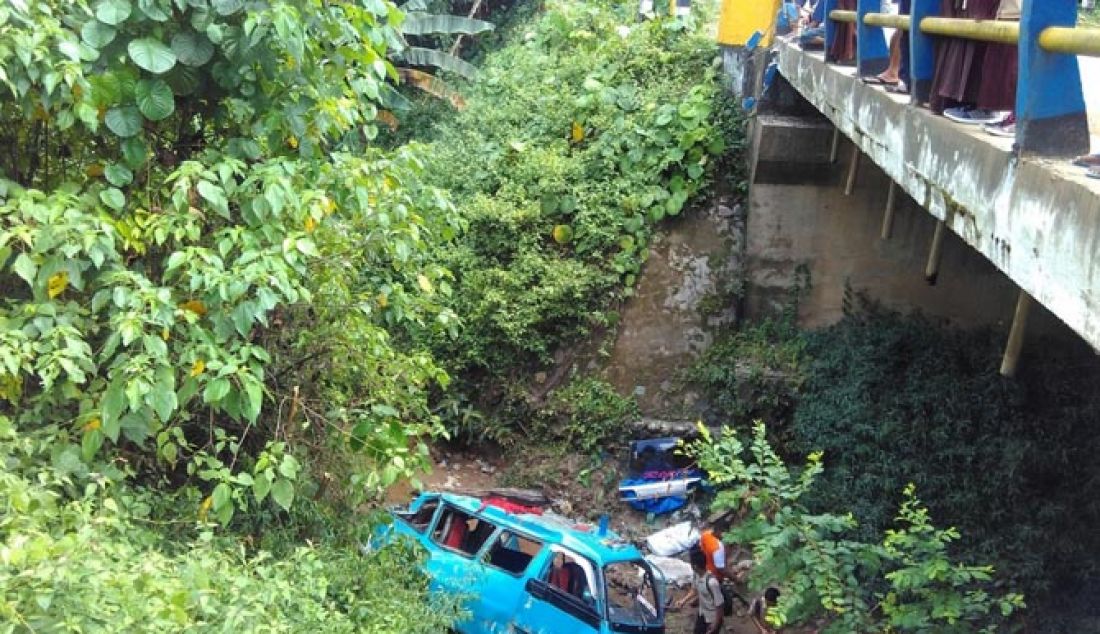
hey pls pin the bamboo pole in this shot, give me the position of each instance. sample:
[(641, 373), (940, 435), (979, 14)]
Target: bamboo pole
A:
[(1011, 361), (932, 269), (853, 170), (888, 215)]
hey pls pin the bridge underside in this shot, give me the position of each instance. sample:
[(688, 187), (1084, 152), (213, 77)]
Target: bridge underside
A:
[(1036, 220)]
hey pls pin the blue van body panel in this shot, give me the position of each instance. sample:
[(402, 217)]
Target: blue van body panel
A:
[(504, 603)]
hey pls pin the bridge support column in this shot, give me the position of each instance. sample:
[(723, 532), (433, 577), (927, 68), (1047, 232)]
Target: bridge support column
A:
[(1050, 104), (872, 53), (1015, 344), (853, 171), (922, 51), (888, 215), (935, 254)]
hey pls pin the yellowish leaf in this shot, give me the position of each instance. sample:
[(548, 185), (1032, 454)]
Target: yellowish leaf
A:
[(562, 234), (387, 118), (11, 388), (57, 284), (165, 333), (424, 283), (95, 170), (194, 306), (292, 142), (578, 132), (383, 301), (198, 367), (93, 424), (327, 205), (311, 224), (204, 507)]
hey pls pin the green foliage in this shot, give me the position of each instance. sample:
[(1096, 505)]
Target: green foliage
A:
[(154, 306), (908, 583), (752, 372), (95, 556), (584, 131), (211, 281), (585, 414), (894, 399)]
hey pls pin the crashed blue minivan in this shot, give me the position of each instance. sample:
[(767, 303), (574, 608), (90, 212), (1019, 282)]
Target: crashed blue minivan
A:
[(522, 572)]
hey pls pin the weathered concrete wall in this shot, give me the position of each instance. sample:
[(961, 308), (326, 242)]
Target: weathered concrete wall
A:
[(813, 230), (1037, 221), (683, 297)]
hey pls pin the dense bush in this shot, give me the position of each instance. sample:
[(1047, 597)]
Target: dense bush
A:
[(80, 553), (908, 582), (195, 230), (584, 131), (892, 399)]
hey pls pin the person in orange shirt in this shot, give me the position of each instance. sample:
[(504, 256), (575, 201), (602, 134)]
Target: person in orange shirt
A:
[(710, 541)]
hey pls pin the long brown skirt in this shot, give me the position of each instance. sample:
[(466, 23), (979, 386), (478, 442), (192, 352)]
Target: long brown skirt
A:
[(958, 71), (1000, 72), (843, 47)]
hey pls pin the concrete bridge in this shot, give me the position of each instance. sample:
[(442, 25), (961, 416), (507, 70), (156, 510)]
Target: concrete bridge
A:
[(842, 173)]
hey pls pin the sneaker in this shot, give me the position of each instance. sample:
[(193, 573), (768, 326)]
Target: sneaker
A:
[(1088, 160), (1006, 128), (973, 116), (1094, 172)]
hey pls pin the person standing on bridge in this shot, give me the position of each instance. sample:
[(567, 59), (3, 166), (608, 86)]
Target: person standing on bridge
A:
[(958, 75)]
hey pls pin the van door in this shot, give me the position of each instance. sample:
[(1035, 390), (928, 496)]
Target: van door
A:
[(562, 599), (504, 566), (457, 539)]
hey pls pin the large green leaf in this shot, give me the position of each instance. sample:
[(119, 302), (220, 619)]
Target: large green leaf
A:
[(113, 198), (113, 12), (125, 121), (157, 10), (227, 7), (191, 48), (118, 175), (431, 23), (154, 99), (97, 34), (418, 56), (283, 493), (152, 55), (134, 152), (184, 80)]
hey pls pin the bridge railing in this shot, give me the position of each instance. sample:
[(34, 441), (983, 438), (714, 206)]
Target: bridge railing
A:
[(1050, 111)]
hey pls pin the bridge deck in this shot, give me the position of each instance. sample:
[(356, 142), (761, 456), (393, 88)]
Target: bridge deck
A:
[(1037, 220)]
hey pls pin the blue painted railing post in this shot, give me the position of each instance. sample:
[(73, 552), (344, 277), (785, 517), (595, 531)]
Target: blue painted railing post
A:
[(872, 54), (922, 51), (830, 27), (1050, 105)]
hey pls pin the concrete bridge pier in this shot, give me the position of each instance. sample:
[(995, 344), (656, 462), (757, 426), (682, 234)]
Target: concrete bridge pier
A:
[(826, 223)]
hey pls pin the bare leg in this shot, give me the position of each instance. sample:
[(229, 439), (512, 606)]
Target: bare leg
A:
[(890, 75)]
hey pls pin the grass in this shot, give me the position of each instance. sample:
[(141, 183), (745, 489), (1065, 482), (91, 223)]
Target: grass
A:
[(1089, 17)]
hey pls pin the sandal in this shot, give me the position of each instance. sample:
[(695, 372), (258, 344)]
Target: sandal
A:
[(875, 80), (899, 88), (1087, 160)]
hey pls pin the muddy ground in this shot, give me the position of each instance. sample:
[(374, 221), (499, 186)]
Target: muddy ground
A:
[(582, 487)]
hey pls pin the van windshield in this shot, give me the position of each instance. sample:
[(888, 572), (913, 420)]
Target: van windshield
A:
[(632, 598)]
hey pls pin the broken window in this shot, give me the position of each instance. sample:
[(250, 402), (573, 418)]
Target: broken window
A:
[(461, 531), (572, 575), (631, 594), (422, 517), (512, 553)]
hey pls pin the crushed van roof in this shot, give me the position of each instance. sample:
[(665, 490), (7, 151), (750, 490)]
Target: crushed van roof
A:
[(552, 529)]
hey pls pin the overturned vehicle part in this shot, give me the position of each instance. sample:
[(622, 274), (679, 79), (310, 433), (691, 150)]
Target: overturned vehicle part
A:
[(524, 570)]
